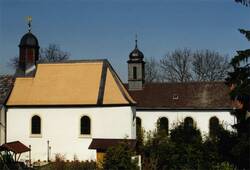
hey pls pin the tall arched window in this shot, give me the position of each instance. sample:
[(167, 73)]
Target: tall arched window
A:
[(163, 124), (213, 126), (134, 73), (35, 125), (188, 122), (85, 125)]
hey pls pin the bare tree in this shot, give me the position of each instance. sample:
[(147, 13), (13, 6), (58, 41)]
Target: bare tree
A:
[(53, 53), (176, 66), (245, 32), (13, 62), (151, 70), (244, 2), (209, 66)]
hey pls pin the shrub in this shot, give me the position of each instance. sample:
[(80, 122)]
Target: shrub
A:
[(61, 164), (185, 134), (183, 149), (119, 158), (224, 166)]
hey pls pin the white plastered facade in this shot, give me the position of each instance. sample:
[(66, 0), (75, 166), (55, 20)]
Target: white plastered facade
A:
[(201, 118), (61, 127)]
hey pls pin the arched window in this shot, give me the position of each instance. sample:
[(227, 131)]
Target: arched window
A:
[(35, 125), (134, 73), (163, 124), (188, 122), (85, 125), (213, 126)]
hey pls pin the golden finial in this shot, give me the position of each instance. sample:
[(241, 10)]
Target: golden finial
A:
[(29, 19)]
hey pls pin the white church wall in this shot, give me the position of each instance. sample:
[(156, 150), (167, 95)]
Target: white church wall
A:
[(61, 126), (201, 118)]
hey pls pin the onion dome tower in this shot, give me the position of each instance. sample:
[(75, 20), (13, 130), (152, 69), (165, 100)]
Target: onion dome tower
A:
[(28, 53), (136, 69)]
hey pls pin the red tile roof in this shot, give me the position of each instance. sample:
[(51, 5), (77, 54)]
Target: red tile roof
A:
[(104, 144), (190, 95), (16, 147)]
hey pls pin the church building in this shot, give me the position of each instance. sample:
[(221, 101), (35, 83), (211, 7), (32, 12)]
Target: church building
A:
[(201, 104), (80, 108)]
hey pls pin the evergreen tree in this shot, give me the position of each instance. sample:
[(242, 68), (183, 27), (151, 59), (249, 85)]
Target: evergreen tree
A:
[(239, 82)]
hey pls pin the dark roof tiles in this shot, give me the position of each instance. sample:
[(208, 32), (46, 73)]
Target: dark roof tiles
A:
[(191, 95), (16, 147), (6, 83), (104, 144)]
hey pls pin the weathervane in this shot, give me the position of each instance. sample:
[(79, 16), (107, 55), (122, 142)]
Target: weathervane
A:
[(29, 19)]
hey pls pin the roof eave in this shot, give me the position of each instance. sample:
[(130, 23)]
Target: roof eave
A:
[(66, 105), (183, 108)]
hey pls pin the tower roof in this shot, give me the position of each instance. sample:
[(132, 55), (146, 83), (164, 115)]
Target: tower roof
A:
[(29, 39), (136, 53)]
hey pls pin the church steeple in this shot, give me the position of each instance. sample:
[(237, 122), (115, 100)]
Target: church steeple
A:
[(136, 72), (28, 53)]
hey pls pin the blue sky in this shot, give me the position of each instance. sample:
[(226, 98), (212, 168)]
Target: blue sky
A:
[(90, 29)]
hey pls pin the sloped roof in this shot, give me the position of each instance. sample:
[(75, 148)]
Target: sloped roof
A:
[(88, 82), (190, 95), (16, 147), (6, 83), (104, 144)]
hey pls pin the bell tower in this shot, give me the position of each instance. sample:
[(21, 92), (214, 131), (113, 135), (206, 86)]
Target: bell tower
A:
[(28, 53), (136, 70)]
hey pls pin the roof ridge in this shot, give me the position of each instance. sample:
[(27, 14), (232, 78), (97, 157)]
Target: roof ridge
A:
[(74, 61), (191, 82)]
